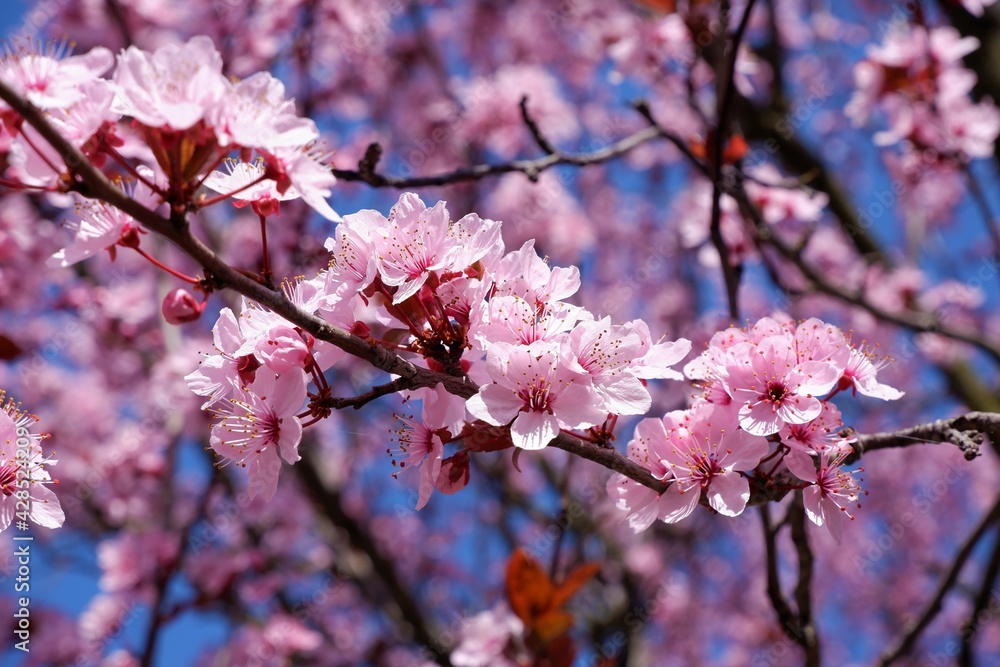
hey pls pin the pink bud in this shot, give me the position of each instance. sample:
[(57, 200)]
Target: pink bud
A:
[(180, 307), (454, 475)]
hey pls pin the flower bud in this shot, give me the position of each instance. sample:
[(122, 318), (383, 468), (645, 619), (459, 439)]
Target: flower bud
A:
[(180, 307)]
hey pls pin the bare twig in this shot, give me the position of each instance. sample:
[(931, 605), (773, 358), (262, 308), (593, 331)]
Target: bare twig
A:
[(803, 589), (536, 132), (786, 617), (965, 431), (983, 600), (730, 273), (530, 168), (411, 613), (911, 633)]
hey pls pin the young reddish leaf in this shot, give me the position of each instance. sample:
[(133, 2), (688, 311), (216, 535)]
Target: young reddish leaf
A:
[(575, 580), (529, 589)]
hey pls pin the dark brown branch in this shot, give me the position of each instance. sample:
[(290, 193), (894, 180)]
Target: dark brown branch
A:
[(911, 633), (730, 273), (536, 132), (530, 168), (803, 589), (786, 617), (984, 597), (356, 402), (411, 613), (965, 432)]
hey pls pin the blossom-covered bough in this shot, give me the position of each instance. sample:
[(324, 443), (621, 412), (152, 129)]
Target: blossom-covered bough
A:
[(489, 344)]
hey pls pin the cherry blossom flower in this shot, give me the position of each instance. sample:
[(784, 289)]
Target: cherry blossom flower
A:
[(255, 113), (283, 348), (416, 241), (489, 638), (641, 504), (511, 319), (523, 273), (100, 226), (420, 439), (704, 449), (303, 169), (219, 374), (47, 79), (605, 352), (245, 182), (24, 479), (861, 374), (773, 387), (174, 87), (535, 394), (817, 436), (830, 492), (259, 424)]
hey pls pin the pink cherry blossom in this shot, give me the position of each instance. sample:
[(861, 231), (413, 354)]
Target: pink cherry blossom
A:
[(174, 87), (704, 449), (47, 79), (219, 374), (535, 394), (24, 480), (488, 639), (283, 348), (817, 436), (256, 113), (605, 353), (523, 273), (861, 374), (100, 226), (420, 439), (259, 424), (416, 241), (773, 388), (831, 492), (304, 171)]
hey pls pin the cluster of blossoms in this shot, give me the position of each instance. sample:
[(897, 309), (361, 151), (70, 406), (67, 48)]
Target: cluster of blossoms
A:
[(917, 79), (169, 124), (24, 491), (762, 403), (465, 308)]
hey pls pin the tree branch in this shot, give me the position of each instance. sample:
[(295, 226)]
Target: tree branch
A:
[(913, 630), (803, 589), (530, 168), (965, 431), (410, 611), (730, 274)]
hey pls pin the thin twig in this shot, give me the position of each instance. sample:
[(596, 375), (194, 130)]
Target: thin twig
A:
[(530, 168), (984, 598), (803, 589), (911, 633), (411, 613), (730, 273), (786, 617), (536, 132), (965, 432)]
